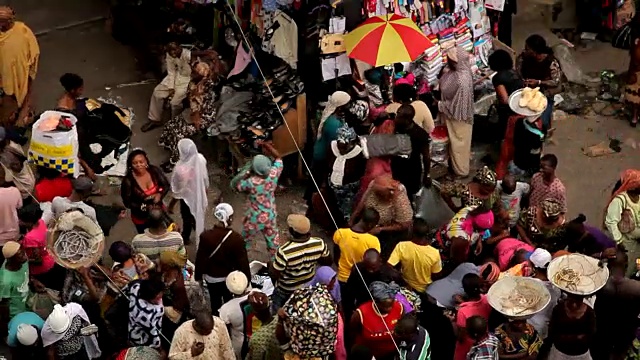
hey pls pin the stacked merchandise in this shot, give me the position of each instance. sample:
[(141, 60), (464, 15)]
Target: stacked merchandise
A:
[(463, 35), (247, 111), (447, 39), (433, 61)]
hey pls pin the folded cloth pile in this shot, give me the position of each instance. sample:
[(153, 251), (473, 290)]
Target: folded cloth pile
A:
[(447, 39), (432, 62), (463, 36)]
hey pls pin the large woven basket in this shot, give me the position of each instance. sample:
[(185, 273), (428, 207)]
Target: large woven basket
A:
[(518, 297), (590, 274), (76, 221)]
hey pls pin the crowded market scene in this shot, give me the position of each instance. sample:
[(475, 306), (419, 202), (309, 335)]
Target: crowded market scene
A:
[(410, 243)]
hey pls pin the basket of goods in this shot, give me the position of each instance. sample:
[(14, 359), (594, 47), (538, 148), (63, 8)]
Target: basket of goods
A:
[(578, 274), (518, 297), (528, 102), (75, 240)]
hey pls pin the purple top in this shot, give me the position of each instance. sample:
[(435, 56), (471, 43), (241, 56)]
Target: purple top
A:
[(601, 238)]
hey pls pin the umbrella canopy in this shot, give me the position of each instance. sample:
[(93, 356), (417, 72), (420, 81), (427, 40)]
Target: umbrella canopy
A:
[(386, 39)]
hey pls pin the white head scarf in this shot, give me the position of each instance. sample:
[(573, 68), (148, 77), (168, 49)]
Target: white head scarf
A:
[(223, 213), (190, 181), (52, 333), (337, 99)]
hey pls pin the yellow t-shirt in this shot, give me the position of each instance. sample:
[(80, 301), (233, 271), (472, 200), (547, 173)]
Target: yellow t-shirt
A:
[(418, 263), (352, 247)]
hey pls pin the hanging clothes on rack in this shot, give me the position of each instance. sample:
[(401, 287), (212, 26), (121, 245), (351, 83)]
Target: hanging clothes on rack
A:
[(285, 38)]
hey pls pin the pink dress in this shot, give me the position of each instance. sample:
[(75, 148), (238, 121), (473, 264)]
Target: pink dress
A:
[(467, 310), (506, 248), (377, 166), (36, 240)]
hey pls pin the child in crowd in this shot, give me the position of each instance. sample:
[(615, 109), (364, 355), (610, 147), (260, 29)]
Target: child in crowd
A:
[(511, 194)]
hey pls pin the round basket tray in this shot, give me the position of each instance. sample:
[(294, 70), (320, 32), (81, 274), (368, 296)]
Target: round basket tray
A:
[(518, 297), (577, 274), (514, 104), (75, 240)]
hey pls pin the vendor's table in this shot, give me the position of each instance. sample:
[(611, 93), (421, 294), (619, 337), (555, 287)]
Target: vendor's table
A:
[(296, 119)]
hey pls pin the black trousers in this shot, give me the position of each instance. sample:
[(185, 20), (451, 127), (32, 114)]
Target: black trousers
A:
[(188, 221), (219, 294)]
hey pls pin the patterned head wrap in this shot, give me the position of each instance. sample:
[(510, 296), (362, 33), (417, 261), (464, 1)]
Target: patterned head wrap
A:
[(551, 207), (382, 291), (336, 100), (485, 176), (346, 134), (223, 213), (630, 180), (359, 109), (202, 68), (261, 165)]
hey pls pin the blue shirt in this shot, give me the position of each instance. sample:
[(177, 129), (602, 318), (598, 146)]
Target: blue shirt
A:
[(329, 133), (29, 318)]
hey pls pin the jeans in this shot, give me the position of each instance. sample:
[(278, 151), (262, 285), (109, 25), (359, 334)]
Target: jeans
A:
[(547, 114), (279, 298)]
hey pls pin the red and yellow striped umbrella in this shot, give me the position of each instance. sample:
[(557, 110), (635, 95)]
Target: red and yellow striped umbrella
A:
[(386, 39)]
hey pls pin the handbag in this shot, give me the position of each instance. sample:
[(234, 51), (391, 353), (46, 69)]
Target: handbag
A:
[(622, 37), (627, 222)]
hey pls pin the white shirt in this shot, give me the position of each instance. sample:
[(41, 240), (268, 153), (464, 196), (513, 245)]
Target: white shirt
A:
[(178, 70), (232, 314)]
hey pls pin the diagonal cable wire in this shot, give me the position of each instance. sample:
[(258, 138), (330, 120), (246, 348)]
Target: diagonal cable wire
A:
[(304, 161)]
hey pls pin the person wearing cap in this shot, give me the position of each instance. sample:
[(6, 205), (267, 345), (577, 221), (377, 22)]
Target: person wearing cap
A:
[(221, 251), (14, 279), (259, 179), (232, 312), (10, 202), (62, 337), (82, 188), (15, 165), (296, 260), (24, 335)]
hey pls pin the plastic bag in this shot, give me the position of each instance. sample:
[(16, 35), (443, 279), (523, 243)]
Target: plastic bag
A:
[(432, 208), (43, 303), (56, 150)]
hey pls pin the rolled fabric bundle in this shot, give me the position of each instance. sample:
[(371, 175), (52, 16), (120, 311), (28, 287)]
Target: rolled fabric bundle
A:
[(385, 145)]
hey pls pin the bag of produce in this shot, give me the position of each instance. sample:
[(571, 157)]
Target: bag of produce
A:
[(54, 142)]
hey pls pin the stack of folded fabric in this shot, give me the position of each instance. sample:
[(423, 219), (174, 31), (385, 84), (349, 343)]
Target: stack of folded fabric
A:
[(447, 39), (463, 36), (433, 62)]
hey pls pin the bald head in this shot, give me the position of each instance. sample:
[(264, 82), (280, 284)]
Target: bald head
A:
[(203, 322)]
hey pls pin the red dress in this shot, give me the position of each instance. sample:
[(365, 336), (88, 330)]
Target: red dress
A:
[(375, 335), (377, 166), (149, 192)]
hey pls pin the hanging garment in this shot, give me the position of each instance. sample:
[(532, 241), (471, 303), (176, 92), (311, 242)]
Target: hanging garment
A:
[(285, 39)]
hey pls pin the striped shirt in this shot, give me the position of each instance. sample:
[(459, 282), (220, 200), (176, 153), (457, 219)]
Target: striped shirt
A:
[(297, 262), (152, 245)]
